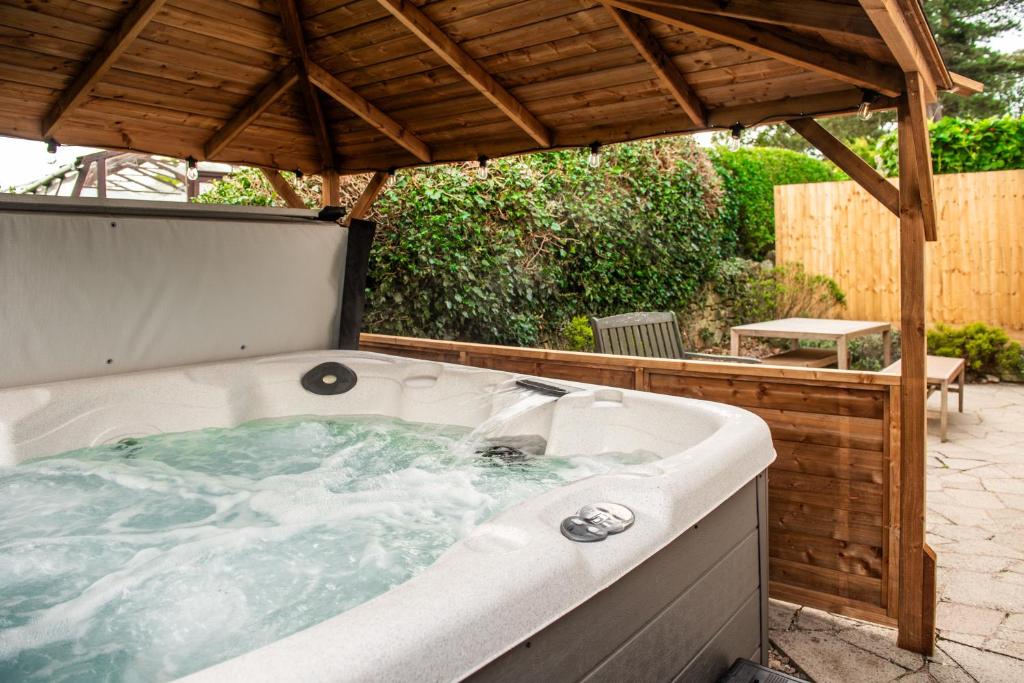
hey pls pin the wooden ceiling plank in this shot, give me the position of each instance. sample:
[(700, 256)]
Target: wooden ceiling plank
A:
[(283, 188), (781, 44), (855, 167), (812, 15), (366, 110), (314, 110), (269, 94), (438, 41), (897, 34), (141, 13), (649, 48)]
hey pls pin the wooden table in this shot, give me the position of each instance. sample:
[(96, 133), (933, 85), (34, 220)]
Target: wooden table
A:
[(940, 373), (839, 331)]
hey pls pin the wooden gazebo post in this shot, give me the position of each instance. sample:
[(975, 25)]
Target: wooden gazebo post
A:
[(913, 203), (917, 223)]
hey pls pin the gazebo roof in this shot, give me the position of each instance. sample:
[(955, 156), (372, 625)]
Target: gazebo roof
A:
[(376, 84)]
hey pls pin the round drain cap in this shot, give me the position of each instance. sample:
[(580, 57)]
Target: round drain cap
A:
[(328, 379)]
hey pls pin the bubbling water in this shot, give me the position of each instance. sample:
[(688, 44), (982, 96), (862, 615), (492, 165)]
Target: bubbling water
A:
[(155, 557)]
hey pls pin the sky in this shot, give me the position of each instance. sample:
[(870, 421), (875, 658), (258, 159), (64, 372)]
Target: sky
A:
[(24, 161)]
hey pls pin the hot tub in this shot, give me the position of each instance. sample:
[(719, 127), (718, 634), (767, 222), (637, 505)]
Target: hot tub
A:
[(678, 595)]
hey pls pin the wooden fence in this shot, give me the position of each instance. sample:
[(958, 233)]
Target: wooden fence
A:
[(975, 271), (834, 495)]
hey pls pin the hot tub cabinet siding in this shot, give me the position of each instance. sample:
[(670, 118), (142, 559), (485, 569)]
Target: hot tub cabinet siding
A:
[(685, 614)]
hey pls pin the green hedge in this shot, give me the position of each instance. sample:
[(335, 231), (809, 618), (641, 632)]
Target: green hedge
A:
[(964, 146), (749, 176), (544, 238)]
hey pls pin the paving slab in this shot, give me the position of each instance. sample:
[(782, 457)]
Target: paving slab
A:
[(976, 525)]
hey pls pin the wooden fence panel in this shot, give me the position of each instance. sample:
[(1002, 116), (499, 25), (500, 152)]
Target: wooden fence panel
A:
[(975, 270), (833, 504)]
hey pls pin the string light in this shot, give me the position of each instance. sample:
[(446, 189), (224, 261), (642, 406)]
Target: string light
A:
[(867, 99), (735, 133), (595, 155), (935, 111), (298, 174), (191, 169), (481, 169), (51, 146)]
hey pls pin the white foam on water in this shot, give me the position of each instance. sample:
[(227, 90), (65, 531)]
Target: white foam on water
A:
[(150, 559)]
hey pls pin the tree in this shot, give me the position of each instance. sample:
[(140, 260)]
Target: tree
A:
[(963, 30)]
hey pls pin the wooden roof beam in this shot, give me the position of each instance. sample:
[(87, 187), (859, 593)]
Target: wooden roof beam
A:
[(647, 45), (964, 86), (781, 44), (283, 188), (899, 36), (267, 95), (365, 110), (141, 13), (361, 209), (921, 146), (855, 167), (812, 15), (450, 51), (317, 122)]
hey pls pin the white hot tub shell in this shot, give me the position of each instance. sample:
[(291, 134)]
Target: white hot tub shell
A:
[(678, 596)]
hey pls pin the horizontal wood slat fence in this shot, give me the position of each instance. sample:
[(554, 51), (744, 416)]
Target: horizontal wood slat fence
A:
[(834, 488), (975, 271)]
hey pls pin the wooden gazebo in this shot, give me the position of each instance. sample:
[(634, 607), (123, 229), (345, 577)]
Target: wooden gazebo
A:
[(345, 86)]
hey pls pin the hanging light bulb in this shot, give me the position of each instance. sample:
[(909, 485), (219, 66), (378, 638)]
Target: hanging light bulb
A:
[(867, 99), (51, 146), (298, 174), (595, 155), (191, 169), (935, 111), (735, 136), (481, 169)]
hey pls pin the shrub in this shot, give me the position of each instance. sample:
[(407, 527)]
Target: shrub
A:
[(578, 335), (545, 237), (749, 176), (964, 146), (745, 291), (988, 350)]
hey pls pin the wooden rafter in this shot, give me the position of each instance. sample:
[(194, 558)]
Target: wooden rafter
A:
[(117, 42), (267, 95), (647, 45), (361, 209), (365, 110), (317, 122), (781, 44), (855, 167), (283, 188), (813, 15), (962, 85), (896, 31), (450, 51)]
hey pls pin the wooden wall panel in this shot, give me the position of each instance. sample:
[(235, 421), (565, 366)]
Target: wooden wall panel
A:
[(831, 501), (975, 270)]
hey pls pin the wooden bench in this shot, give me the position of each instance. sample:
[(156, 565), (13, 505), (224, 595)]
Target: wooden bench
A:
[(804, 358), (941, 372)]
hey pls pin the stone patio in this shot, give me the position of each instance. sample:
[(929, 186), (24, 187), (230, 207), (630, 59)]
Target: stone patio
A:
[(976, 526)]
